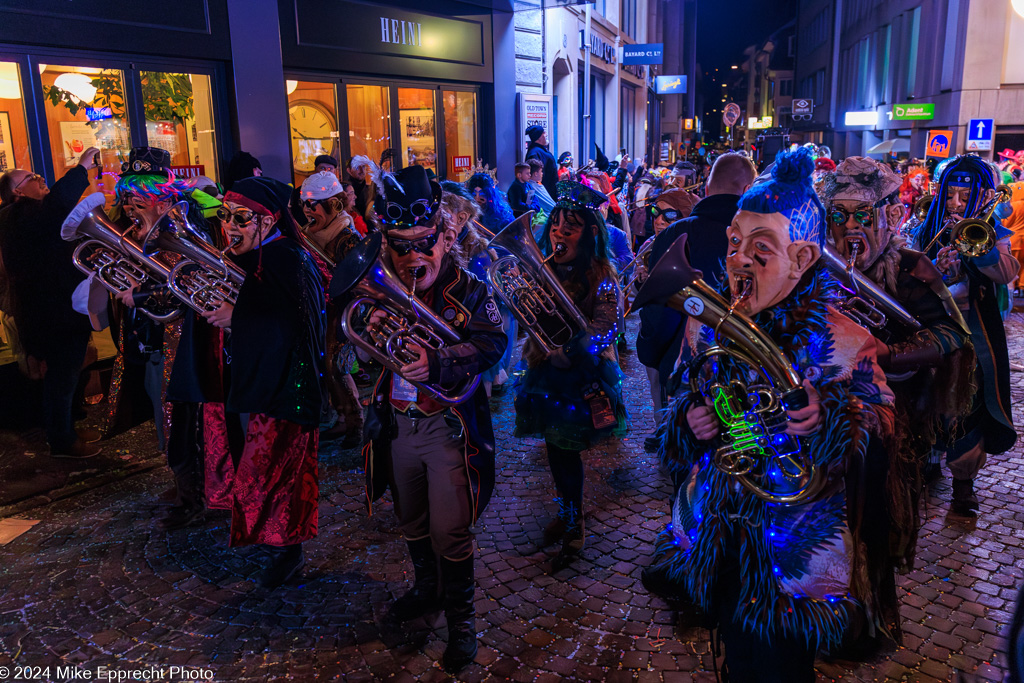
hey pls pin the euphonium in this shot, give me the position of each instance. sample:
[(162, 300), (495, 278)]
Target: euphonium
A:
[(407, 320), (756, 450), (119, 264), (204, 279), (530, 289), (868, 303)]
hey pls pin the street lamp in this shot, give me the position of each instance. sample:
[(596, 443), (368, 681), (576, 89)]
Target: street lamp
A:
[(1018, 7)]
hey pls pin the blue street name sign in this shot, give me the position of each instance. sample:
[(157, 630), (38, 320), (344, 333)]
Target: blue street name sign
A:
[(646, 53), (979, 135)]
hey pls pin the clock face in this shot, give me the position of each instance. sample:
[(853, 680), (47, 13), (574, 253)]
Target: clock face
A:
[(311, 126)]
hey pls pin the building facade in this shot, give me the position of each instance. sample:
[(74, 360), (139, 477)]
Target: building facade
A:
[(568, 57), (897, 69), (285, 80)]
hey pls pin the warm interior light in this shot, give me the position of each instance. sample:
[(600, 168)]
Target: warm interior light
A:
[(290, 86), (79, 85), (1018, 7), (9, 89)]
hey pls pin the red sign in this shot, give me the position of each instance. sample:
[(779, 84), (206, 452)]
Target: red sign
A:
[(461, 163), (182, 172)]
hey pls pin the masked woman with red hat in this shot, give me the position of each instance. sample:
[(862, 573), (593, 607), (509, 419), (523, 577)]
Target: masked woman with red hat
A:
[(276, 366)]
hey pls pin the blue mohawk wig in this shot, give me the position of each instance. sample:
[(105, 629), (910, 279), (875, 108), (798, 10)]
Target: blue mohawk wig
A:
[(791, 193), (966, 170)]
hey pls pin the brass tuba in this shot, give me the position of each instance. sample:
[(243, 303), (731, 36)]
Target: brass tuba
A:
[(204, 279), (407, 320), (752, 401), (119, 264), (527, 285), (867, 303)]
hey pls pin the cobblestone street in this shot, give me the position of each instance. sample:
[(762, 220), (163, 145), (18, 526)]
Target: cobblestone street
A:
[(98, 582)]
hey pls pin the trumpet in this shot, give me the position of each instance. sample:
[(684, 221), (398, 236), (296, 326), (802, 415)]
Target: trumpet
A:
[(531, 291), (407, 320), (119, 264), (868, 304), (204, 279), (973, 237), (756, 450)]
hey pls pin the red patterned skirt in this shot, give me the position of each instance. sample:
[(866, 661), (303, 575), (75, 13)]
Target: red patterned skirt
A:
[(219, 470), (275, 491)]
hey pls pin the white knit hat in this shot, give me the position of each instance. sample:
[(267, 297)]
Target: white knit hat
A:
[(321, 186)]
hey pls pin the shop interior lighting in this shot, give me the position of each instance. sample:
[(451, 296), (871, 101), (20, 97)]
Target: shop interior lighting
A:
[(291, 86), (1018, 7), (79, 85), (9, 89)]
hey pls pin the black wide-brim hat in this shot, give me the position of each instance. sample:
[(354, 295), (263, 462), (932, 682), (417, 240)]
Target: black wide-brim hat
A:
[(409, 199), (147, 161)]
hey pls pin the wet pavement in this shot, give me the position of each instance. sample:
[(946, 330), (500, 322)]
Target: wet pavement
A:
[(98, 583)]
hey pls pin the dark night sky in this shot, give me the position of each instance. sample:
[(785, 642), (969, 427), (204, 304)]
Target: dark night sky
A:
[(724, 30)]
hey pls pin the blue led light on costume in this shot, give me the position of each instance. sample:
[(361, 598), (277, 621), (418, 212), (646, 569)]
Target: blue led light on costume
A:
[(777, 570)]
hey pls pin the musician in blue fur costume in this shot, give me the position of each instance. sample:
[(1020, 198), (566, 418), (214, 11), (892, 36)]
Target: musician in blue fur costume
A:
[(779, 580)]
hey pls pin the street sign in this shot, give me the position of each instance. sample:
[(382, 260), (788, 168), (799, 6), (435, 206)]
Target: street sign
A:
[(670, 85), (979, 135), (939, 143), (802, 106), (731, 114), (913, 112), (645, 53)]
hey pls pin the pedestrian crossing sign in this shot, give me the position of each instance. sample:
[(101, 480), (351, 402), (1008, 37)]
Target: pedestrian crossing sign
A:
[(939, 143)]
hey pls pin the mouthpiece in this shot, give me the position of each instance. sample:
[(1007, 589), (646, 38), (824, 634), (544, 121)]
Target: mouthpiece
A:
[(560, 249)]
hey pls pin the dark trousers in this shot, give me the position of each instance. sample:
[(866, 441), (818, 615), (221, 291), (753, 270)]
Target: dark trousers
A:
[(567, 471), (185, 452), (64, 361)]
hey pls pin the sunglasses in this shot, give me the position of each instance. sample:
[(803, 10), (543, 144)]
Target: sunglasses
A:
[(419, 209), (311, 204), (240, 217), (423, 245), (863, 217), (669, 214)]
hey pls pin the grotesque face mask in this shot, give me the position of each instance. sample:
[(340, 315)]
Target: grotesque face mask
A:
[(856, 226), (416, 254), (243, 227), (957, 199), (143, 211), (763, 264), (566, 230), (319, 213)]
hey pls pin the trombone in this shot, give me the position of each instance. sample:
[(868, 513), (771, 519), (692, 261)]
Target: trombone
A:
[(973, 237)]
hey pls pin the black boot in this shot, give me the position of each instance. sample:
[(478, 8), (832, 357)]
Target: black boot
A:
[(556, 529), (460, 611), (425, 595), (574, 538), (964, 501), (285, 563)]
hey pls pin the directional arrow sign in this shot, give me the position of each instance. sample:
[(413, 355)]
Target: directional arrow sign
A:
[(979, 135)]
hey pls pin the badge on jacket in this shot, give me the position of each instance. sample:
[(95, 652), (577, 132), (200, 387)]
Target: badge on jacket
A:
[(493, 314)]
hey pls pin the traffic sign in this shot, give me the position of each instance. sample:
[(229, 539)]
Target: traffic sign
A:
[(979, 135), (939, 143)]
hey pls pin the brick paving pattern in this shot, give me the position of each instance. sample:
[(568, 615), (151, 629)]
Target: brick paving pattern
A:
[(98, 582)]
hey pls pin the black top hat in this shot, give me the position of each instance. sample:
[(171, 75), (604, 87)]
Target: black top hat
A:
[(410, 198), (147, 161)]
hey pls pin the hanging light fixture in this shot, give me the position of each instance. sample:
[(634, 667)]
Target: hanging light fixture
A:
[(79, 85), (1018, 7)]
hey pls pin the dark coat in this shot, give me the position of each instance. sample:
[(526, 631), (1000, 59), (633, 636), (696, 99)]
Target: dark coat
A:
[(277, 335), (661, 328), (550, 180), (38, 263), (462, 301), (517, 198)]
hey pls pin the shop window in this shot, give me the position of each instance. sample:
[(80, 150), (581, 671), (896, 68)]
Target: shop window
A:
[(14, 149), (369, 120), (459, 132), (179, 118), (85, 108), (416, 127), (313, 123)]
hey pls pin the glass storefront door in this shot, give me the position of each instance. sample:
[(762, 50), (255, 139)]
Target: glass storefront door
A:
[(14, 144), (417, 127), (369, 120), (313, 119), (460, 132), (179, 118)]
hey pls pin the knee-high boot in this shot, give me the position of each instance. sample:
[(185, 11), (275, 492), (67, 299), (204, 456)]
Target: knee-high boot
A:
[(460, 612), (425, 596)]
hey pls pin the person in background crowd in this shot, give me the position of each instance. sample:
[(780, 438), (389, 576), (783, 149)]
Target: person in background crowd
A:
[(661, 328), (518, 193), (565, 162), (242, 165), (542, 200), (325, 163), (361, 173), (538, 149), (966, 183), (349, 205), (42, 278), (277, 388), (495, 211), (437, 460), (682, 175), (573, 396)]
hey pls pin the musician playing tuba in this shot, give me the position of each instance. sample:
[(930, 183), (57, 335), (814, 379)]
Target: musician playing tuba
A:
[(572, 396), (966, 185), (779, 579), (437, 459), (929, 367)]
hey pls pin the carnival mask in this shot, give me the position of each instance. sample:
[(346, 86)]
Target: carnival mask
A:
[(243, 227), (565, 233), (857, 226), (416, 254), (957, 199), (763, 263)]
